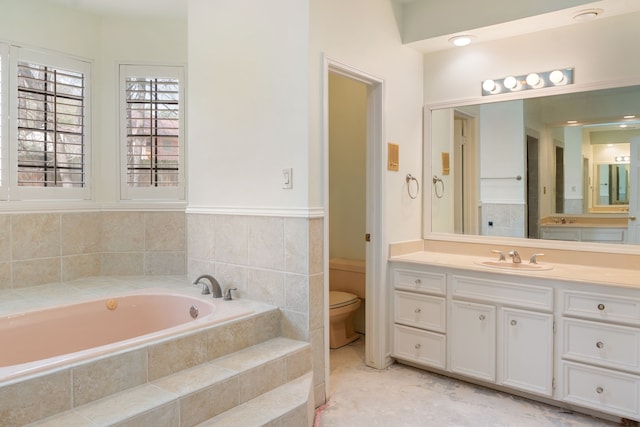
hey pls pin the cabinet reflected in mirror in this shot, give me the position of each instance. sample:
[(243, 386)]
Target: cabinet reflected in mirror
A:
[(521, 166)]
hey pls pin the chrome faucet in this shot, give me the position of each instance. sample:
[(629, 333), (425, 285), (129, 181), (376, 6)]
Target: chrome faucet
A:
[(213, 287), (515, 256)]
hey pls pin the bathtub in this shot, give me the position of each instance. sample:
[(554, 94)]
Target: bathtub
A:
[(34, 341)]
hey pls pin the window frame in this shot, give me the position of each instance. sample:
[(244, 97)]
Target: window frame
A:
[(5, 74), (150, 193), (56, 61)]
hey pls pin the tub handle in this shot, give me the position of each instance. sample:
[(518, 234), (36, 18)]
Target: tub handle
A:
[(227, 294)]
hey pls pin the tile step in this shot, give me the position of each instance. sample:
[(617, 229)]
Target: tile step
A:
[(194, 395)]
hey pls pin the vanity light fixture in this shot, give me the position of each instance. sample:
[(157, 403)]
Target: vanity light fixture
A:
[(460, 41), (559, 77), (622, 159)]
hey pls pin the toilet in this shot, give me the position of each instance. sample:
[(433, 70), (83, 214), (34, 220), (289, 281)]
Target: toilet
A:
[(346, 292)]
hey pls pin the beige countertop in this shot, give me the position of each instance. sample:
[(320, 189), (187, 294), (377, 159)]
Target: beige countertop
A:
[(571, 272)]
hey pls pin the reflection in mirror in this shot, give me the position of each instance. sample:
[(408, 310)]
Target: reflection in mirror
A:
[(553, 167)]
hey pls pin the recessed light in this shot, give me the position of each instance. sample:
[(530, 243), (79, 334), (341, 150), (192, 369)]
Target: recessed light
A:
[(587, 15), (572, 122), (629, 117), (461, 40)]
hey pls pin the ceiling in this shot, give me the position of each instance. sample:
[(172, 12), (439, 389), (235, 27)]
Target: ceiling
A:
[(165, 8)]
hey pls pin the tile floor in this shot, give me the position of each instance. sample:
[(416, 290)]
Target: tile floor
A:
[(404, 396)]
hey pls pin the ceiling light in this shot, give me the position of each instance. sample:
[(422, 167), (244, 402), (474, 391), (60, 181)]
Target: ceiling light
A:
[(461, 40), (489, 85), (533, 79), (510, 82), (556, 77), (587, 15), (623, 126), (572, 122), (629, 117)]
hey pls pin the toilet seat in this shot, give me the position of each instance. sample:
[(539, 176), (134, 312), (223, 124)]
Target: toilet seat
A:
[(339, 299)]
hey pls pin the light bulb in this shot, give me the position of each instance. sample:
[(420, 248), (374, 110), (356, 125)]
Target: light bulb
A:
[(460, 40), (556, 77), (510, 82), (489, 85)]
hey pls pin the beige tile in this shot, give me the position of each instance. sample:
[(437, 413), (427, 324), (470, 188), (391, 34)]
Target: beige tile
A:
[(316, 245), (295, 325), (318, 346), (123, 231), (35, 236), (261, 379), (233, 276), (164, 263), (69, 419), (31, 400), (296, 293), (299, 363), (164, 416), (194, 379), (231, 242), (266, 242), (266, 286), (198, 267), (268, 326), (316, 301), (172, 356), (79, 266), (120, 407), (229, 338), (81, 233), (122, 263), (164, 231), (296, 245), (5, 238), (36, 272), (198, 407), (5, 275), (108, 376), (201, 236)]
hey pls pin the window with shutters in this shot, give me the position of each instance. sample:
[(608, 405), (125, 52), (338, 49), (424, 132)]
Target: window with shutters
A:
[(152, 135)]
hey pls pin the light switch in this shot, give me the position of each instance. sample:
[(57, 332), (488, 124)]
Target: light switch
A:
[(287, 178)]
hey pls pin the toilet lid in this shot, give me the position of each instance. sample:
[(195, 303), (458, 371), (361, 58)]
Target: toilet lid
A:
[(340, 299)]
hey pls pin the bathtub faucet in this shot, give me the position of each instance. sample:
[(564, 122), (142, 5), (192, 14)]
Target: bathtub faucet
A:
[(213, 287)]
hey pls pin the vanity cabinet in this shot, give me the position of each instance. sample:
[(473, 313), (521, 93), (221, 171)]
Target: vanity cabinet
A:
[(583, 234), (473, 340), (600, 354)]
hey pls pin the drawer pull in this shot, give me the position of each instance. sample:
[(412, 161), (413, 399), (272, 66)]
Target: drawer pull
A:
[(601, 307), (481, 317), (514, 322), (599, 390), (417, 346), (417, 310), (418, 282), (600, 344)]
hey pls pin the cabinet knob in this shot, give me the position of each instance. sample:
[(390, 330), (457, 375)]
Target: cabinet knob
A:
[(481, 317), (600, 306), (418, 282), (599, 390), (417, 310), (600, 344), (514, 322), (417, 346)]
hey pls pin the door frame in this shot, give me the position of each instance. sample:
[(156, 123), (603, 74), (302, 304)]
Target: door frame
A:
[(376, 310)]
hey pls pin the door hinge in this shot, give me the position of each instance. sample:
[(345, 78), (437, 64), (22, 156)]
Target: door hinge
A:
[(367, 237)]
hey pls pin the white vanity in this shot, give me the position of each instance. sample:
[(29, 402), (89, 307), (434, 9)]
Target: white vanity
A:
[(569, 334)]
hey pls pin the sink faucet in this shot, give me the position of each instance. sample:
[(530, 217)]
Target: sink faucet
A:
[(515, 256), (213, 287)]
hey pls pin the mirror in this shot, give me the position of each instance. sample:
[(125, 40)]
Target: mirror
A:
[(519, 167)]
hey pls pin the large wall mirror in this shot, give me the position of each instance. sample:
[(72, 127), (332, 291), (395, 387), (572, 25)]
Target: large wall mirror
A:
[(558, 167)]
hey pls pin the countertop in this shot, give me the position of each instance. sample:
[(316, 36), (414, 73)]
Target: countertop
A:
[(568, 272)]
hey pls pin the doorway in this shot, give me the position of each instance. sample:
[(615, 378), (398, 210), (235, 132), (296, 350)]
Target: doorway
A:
[(533, 198), (376, 310)]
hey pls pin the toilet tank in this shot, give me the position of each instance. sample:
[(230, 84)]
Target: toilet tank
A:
[(347, 275)]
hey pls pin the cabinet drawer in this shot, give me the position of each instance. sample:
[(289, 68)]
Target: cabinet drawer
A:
[(420, 281), (516, 294), (420, 311), (602, 307), (416, 345), (601, 389), (608, 345), (615, 235)]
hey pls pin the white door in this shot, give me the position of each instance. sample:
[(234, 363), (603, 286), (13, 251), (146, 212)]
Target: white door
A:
[(527, 351), (473, 340), (633, 229)]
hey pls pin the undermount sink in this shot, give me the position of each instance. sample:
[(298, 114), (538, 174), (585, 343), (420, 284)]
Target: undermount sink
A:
[(519, 266)]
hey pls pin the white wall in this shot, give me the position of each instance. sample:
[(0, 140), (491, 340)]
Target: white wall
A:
[(442, 136)]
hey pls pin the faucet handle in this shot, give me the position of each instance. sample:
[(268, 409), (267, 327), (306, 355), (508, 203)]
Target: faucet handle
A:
[(534, 258), (227, 294), (500, 254)]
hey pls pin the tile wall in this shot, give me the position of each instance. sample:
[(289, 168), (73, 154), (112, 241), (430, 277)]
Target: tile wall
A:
[(52, 247), (277, 260)]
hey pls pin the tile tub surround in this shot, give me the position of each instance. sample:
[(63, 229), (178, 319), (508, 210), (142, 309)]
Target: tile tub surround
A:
[(44, 394), (39, 248), (273, 259)]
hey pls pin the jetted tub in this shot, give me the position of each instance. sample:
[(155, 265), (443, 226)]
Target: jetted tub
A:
[(37, 340)]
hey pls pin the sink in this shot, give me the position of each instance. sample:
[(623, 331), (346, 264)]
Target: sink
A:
[(508, 265)]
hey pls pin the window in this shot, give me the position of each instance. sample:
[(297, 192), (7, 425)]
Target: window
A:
[(152, 141), (50, 143)]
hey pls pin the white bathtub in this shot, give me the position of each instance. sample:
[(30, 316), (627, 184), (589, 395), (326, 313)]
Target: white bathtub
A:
[(37, 340)]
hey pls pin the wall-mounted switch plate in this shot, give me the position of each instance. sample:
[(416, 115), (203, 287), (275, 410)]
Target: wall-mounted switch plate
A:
[(287, 178)]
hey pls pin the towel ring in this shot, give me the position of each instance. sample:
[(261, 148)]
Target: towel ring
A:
[(410, 178), (437, 180)]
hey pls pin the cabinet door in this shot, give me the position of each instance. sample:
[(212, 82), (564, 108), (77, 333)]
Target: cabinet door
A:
[(527, 351), (473, 340)]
